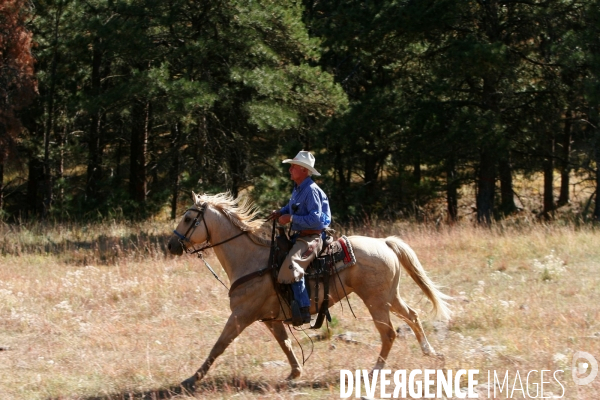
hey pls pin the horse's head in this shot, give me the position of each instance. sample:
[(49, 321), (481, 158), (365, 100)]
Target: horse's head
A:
[(191, 229)]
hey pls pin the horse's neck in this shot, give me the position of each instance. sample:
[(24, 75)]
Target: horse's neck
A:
[(239, 256)]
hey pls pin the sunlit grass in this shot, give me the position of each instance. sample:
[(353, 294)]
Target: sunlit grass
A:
[(102, 310)]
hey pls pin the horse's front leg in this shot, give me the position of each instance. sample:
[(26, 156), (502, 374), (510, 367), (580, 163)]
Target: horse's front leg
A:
[(234, 326), (278, 330)]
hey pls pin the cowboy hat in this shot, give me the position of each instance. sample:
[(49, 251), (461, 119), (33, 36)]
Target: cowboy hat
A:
[(304, 159)]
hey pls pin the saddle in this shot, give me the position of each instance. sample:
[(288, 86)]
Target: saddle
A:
[(334, 256)]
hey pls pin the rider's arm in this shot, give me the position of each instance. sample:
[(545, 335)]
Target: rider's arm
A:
[(315, 218)]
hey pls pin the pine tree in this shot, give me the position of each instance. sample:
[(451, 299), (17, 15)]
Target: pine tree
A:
[(17, 82)]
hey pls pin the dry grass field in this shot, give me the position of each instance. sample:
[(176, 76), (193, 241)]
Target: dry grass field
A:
[(101, 312)]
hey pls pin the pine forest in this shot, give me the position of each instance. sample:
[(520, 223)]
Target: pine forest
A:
[(122, 108)]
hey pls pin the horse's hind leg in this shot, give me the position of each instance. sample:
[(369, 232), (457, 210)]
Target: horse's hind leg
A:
[(278, 330), (410, 316), (381, 319)]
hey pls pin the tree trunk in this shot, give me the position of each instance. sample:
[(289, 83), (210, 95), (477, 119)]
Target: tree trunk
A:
[(339, 167), (118, 156), (417, 169), (370, 192), (371, 170), (49, 128), (139, 142), (596, 216), (486, 185), (60, 164), (507, 198), (202, 129), (1, 187), (565, 167), (175, 135), (237, 163), (152, 178), (34, 180), (94, 167), (451, 190), (340, 171), (548, 168)]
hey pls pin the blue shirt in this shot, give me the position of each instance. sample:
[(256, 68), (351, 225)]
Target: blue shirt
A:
[(309, 205)]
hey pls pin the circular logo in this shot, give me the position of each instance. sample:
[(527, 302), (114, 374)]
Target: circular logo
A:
[(579, 368)]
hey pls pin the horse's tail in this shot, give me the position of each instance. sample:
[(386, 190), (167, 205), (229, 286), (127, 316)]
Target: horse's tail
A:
[(411, 264)]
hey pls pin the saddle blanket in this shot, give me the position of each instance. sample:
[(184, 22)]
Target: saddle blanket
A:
[(339, 252)]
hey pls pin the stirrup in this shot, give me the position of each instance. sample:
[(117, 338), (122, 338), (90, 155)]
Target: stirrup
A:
[(300, 316)]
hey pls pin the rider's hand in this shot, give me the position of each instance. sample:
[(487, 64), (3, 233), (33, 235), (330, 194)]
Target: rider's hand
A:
[(284, 219), (274, 215)]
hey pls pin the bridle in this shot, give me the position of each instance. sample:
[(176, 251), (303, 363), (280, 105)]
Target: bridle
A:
[(188, 234), (190, 231)]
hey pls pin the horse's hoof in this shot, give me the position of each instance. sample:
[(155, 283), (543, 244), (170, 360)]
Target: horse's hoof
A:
[(293, 375), (189, 385), (440, 358)]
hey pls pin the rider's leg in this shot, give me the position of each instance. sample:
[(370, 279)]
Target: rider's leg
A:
[(300, 293), (292, 271), (301, 297)]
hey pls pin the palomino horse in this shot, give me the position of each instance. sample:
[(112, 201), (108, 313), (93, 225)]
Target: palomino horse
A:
[(229, 226)]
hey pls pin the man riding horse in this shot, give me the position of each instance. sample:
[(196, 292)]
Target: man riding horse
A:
[(374, 275), (309, 213)]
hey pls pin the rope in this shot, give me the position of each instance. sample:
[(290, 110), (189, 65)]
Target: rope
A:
[(201, 256), (312, 344), (345, 294)]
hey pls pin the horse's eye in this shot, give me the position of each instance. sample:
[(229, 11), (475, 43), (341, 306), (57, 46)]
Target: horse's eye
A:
[(187, 219)]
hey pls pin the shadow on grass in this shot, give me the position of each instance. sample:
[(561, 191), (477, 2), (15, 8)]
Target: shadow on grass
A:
[(215, 386), (102, 249)]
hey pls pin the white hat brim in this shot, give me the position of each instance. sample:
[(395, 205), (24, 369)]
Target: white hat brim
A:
[(302, 164)]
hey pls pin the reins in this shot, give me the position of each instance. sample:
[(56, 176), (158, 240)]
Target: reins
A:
[(210, 246), (201, 256)]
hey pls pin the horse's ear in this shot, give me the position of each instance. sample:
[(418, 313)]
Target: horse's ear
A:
[(194, 197)]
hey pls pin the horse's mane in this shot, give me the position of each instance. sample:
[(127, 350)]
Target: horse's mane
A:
[(240, 211)]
